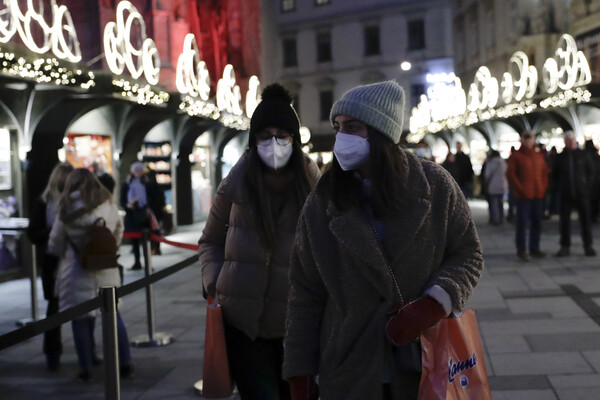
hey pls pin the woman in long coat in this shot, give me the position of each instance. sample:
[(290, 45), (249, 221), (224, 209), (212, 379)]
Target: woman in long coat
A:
[(246, 244), (83, 201), (383, 230)]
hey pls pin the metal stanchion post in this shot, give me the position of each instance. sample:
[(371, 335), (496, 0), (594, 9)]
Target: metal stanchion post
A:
[(112, 386), (33, 291), (153, 339)]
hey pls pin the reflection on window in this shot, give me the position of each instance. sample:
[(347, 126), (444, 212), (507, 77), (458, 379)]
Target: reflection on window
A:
[(288, 5), (326, 102), (416, 34)]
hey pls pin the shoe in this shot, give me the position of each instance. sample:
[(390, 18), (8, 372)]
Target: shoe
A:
[(538, 254), (563, 252), (590, 252), (136, 267), (53, 362), (523, 255), (126, 371), (85, 377)]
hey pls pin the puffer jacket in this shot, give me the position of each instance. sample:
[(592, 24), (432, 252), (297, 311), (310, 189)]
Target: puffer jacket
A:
[(527, 173), (341, 289), (74, 284), (249, 280), (495, 176)]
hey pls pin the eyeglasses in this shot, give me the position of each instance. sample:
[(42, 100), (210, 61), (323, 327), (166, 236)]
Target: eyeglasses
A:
[(282, 139)]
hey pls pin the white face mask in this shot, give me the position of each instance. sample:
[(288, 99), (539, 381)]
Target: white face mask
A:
[(351, 151), (273, 154)]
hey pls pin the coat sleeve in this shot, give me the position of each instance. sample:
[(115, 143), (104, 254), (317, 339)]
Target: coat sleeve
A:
[(512, 174), (306, 304), (212, 242), (57, 240), (118, 232), (462, 264)]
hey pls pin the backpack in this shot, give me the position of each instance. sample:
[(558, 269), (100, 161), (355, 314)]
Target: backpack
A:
[(99, 249)]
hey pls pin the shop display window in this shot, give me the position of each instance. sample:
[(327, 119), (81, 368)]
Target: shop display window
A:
[(83, 150), (5, 160)]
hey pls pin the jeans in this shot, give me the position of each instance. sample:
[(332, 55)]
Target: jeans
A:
[(582, 205), (85, 345), (529, 215), (496, 207), (256, 366)]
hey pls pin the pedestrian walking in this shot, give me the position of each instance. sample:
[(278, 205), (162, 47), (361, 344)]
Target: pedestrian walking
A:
[(247, 240), (156, 203), (496, 186), (135, 200), (574, 175), (82, 202), (43, 215), (465, 171), (384, 230), (592, 152), (527, 173)]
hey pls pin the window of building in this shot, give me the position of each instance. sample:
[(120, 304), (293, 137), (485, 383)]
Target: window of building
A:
[(326, 102), (290, 54), (416, 34), (296, 103), (416, 90), (322, 2), (323, 47), (372, 40), (288, 5)]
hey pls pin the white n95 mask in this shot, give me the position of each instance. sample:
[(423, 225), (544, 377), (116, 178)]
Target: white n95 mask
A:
[(273, 154), (351, 151)]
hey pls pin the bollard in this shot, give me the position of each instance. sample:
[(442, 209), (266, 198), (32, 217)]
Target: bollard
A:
[(33, 292), (153, 339), (112, 385)]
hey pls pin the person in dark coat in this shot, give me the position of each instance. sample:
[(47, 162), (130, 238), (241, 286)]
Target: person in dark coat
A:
[(157, 203), (247, 241), (592, 152), (383, 230), (134, 199), (574, 175), (42, 217), (465, 171)]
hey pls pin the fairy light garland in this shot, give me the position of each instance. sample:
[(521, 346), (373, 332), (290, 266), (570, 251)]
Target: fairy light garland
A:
[(141, 94)]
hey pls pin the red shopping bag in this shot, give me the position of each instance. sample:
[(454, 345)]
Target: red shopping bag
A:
[(216, 381), (453, 363)]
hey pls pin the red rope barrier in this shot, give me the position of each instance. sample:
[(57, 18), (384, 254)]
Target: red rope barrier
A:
[(157, 238)]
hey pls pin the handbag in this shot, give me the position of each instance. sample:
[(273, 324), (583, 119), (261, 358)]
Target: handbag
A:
[(216, 380), (453, 362)]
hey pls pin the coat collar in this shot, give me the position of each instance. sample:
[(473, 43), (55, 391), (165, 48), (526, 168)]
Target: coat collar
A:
[(354, 230)]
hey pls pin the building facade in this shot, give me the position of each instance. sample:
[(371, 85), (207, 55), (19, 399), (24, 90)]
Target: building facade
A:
[(321, 48)]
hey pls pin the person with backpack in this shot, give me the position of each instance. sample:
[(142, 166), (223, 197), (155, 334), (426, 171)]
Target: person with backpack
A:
[(43, 214), (84, 206)]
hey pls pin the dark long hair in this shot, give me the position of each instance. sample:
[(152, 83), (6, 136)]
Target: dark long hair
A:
[(388, 178), (258, 197)]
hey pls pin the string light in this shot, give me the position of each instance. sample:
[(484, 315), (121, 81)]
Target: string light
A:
[(141, 94)]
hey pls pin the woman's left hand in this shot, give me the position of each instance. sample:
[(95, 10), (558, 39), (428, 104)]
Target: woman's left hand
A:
[(414, 318)]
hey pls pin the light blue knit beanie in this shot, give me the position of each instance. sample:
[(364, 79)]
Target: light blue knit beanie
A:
[(379, 105)]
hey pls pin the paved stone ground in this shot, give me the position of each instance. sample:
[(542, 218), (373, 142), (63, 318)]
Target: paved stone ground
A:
[(539, 321)]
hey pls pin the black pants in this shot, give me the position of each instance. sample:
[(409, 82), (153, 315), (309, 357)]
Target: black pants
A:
[(256, 366), (52, 338), (582, 205)]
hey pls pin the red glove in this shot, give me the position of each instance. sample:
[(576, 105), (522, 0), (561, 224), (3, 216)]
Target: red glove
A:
[(304, 388), (412, 319)]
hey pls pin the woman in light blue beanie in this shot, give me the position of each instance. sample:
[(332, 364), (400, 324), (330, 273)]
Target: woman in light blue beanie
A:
[(384, 230)]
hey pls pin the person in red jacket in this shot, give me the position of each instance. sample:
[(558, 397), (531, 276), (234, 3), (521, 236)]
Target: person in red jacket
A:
[(527, 173)]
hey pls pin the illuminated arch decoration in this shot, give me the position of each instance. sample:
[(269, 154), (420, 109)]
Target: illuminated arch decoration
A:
[(252, 96), (121, 53), (192, 77), (229, 96), (568, 68), (59, 36)]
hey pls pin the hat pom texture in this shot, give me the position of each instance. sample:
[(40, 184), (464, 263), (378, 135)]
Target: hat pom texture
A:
[(379, 105), (275, 110)]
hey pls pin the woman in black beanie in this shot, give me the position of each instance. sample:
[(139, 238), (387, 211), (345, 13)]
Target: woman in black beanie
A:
[(247, 241)]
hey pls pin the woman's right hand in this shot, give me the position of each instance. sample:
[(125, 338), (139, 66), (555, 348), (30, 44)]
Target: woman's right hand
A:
[(304, 388)]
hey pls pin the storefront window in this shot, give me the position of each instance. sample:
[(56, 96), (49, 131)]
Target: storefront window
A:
[(83, 150), (201, 178), (5, 167)]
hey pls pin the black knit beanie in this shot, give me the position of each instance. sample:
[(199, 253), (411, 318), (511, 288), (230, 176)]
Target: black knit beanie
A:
[(275, 109)]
